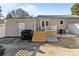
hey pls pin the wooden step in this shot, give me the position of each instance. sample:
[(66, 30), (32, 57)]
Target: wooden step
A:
[(39, 36)]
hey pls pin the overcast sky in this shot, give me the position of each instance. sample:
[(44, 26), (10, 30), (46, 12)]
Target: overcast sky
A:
[(39, 8)]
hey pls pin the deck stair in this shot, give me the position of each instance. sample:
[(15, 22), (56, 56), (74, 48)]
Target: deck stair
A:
[(39, 36)]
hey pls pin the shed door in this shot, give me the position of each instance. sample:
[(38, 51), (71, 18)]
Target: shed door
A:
[(21, 28), (11, 29)]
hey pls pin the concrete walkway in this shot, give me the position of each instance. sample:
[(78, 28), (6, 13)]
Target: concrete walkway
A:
[(19, 46)]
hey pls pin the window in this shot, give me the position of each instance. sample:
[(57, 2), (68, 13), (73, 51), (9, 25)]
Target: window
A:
[(47, 23), (42, 23), (61, 22)]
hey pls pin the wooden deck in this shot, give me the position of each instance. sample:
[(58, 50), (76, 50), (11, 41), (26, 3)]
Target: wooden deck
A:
[(41, 36)]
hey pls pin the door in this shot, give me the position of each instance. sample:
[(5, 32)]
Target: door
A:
[(44, 25), (21, 28), (11, 29)]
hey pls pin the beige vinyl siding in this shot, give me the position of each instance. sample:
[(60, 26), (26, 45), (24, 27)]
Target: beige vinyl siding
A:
[(54, 22), (29, 25), (2, 30)]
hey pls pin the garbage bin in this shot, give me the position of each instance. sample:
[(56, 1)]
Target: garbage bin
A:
[(26, 35), (2, 50)]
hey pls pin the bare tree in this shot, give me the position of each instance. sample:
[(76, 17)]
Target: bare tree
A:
[(18, 13)]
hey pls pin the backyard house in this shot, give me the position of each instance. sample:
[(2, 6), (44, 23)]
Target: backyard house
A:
[(15, 26), (56, 22), (46, 23)]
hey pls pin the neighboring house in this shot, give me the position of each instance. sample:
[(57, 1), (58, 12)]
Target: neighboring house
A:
[(13, 27)]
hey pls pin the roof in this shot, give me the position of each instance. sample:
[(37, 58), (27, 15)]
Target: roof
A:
[(19, 20), (57, 16)]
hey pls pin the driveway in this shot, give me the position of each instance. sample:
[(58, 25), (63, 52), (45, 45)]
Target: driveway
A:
[(13, 45), (18, 47)]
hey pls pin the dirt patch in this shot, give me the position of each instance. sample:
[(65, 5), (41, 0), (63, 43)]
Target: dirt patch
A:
[(60, 48), (58, 51)]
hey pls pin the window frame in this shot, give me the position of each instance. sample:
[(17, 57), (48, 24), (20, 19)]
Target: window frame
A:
[(61, 22), (43, 23)]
